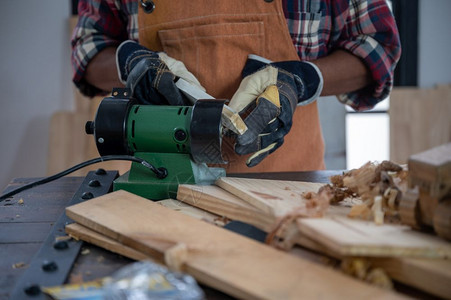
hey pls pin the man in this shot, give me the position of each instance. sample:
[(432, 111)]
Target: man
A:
[(299, 50)]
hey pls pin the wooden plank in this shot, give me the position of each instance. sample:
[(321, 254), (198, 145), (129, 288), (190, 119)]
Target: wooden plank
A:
[(273, 197), (216, 200), (419, 120), (425, 274), (195, 212), (430, 275), (216, 257), (350, 237), (80, 232)]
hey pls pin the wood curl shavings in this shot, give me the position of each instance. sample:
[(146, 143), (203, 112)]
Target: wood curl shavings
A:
[(387, 180), (285, 231), (362, 269)]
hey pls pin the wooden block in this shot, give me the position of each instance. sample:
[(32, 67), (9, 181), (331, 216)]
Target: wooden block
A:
[(273, 197), (350, 237), (216, 257), (83, 233)]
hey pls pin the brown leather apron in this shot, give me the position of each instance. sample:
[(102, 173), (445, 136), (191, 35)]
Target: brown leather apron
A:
[(213, 38)]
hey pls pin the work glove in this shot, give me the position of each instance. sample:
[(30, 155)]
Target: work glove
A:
[(267, 98), (150, 75)]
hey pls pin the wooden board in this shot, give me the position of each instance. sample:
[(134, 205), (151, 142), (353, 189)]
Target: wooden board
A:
[(220, 202), (273, 197), (429, 275), (189, 210), (349, 237), (419, 120), (216, 257), (83, 233)]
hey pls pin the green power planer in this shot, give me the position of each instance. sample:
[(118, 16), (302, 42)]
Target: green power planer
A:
[(178, 141)]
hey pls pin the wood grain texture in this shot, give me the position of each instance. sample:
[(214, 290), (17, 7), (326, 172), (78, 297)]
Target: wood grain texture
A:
[(80, 232), (424, 274), (220, 202), (350, 237), (273, 197), (430, 275), (419, 120), (189, 210), (224, 260)]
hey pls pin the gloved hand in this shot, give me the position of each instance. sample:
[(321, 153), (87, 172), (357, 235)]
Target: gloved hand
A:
[(151, 75), (268, 95)]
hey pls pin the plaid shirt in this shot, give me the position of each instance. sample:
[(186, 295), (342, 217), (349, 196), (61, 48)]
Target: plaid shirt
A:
[(365, 28)]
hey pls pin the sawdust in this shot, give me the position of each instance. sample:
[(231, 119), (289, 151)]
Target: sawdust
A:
[(285, 231), (362, 269), (20, 265), (379, 186)]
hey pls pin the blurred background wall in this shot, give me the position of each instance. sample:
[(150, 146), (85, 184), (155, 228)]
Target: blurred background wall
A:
[(35, 81)]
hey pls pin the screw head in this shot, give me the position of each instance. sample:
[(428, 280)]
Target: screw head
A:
[(94, 183), (61, 245), (100, 172), (87, 196), (32, 290), (49, 266)]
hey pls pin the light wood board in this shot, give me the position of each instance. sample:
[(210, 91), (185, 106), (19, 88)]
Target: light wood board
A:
[(220, 202), (224, 260), (83, 233), (430, 275), (273, 197), (349, 237), (419, 120)]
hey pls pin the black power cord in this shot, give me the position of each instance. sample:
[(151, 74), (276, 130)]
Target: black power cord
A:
[(160, 172)]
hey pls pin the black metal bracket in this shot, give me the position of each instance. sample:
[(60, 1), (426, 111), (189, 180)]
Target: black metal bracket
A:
[(53, 262)]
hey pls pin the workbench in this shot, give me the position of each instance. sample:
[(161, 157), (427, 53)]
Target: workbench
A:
[(28, 217)]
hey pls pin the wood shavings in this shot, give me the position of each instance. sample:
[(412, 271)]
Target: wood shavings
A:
[(285, 230), (63, 238), (379, 278), (377, 210), (379, 186), (176, 256), (20, 265), (362, 269), (361, 211), (20, 202)]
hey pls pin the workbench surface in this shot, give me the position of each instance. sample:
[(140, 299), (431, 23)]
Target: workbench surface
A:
[(27, 218)]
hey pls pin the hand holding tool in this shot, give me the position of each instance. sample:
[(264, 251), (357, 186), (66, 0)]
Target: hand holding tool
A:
[(230, 119), (151, 75), (269, 94)]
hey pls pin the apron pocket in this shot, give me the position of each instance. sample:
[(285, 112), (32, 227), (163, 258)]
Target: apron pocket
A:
[(215, 53)]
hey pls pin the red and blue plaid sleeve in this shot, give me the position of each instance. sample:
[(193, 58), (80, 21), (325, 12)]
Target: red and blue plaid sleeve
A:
[(101, 24), (365, 28), (369, 31)]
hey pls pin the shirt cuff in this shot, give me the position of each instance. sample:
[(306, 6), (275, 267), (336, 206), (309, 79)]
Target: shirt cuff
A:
[(381, 65)]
